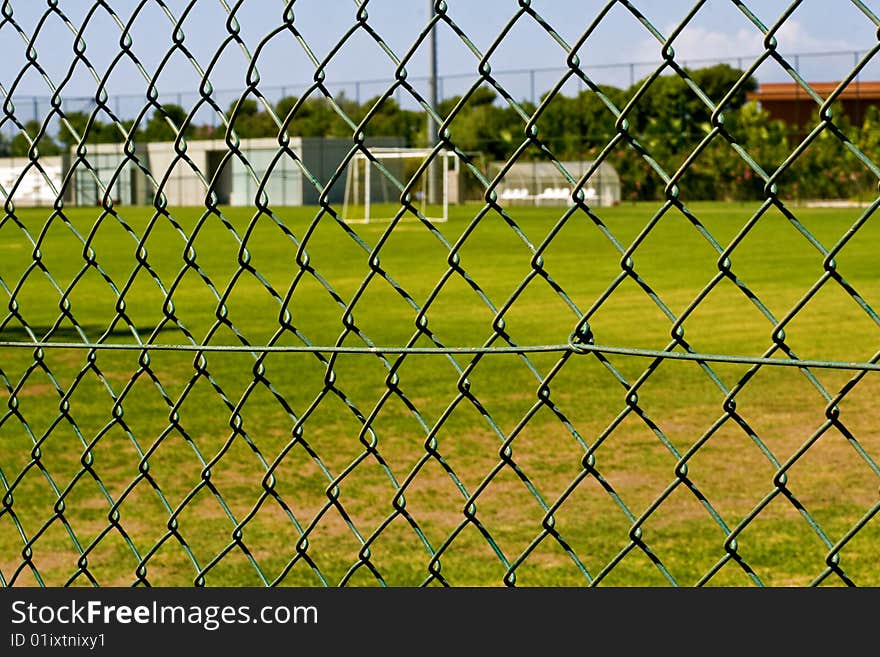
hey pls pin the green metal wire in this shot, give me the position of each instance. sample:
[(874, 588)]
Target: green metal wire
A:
[(27, 535)]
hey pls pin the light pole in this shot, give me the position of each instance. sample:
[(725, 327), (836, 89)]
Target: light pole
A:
[(433, 169)]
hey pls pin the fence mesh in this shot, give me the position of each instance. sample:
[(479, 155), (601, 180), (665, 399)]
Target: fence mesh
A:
[(265, 395)]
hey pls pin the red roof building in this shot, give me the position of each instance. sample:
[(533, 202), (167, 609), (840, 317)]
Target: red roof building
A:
[(789, 102)]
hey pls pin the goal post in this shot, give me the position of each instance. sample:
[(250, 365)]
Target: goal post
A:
[(375, 182)]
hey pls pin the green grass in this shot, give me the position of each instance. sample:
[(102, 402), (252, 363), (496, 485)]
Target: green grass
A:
[(117, 463)]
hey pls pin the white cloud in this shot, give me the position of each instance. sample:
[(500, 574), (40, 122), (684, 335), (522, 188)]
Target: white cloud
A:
[(700, 43)]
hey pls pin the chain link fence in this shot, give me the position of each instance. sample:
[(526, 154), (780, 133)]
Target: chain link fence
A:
[(214, 383)]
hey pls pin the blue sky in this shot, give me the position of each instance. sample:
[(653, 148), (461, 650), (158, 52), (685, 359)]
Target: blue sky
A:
[(719, 30)]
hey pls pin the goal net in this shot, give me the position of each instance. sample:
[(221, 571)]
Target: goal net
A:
[(374, 183)]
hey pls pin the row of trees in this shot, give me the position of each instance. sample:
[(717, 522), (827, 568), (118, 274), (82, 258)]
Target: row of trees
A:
[(664, 127)]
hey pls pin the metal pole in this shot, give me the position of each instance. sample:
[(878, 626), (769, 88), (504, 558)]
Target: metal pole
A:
[(433, 169)]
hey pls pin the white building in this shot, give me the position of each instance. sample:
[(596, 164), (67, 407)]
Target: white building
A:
[(236, 177), (544, 183), (31, 184)]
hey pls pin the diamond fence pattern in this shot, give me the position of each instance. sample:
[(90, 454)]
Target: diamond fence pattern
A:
[(210, 396)]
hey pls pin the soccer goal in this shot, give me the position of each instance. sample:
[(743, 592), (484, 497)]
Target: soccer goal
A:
[(374, 183)]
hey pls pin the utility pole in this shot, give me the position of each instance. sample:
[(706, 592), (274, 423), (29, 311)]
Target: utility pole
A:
[(433, 168)]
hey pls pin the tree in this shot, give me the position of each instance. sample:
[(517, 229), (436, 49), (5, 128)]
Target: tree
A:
[(388, 119), (575, 126), (249, 121), (165, 124), (483, 125), (285, 105), (72, 129), (95, 132), (316, 116), (21, 143)]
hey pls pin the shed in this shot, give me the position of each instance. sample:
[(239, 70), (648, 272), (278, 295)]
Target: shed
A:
[(550, 183)]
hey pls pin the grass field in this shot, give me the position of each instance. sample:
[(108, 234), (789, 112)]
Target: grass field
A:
[(299, 468)]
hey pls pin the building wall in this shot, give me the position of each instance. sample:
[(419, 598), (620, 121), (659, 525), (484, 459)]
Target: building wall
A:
[(261, 165), (322, 158), (183, 186), (29, 186), (238, 176), (108, 171), (186, 180)]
